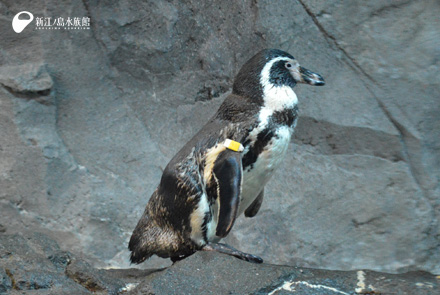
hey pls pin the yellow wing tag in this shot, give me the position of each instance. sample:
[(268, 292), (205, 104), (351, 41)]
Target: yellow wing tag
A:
[(233, 145)]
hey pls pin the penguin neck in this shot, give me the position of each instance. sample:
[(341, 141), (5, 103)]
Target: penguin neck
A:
[(277, 99), (278, 111)]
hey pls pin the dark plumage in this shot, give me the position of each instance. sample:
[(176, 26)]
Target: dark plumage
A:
[(206, 186)]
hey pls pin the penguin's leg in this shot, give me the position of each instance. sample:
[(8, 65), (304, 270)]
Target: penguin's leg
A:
[(253, 208), (226, 249)]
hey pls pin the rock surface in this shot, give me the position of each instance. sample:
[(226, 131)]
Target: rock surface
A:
[(208, 273), (34, 264), (89, 119)]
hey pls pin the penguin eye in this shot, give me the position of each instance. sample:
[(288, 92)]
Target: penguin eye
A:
[(288, 65)]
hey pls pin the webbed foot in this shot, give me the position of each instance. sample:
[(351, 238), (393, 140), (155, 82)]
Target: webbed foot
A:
[(226, 249)]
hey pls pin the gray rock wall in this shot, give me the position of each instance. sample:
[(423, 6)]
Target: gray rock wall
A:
[(89, 118)]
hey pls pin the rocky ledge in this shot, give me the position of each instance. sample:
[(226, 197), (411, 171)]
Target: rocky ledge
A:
[(35, 264)]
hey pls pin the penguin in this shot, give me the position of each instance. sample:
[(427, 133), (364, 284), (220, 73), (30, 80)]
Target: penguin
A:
[(221, 172)]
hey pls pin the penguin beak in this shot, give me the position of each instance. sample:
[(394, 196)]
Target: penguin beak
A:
[(310, 77)]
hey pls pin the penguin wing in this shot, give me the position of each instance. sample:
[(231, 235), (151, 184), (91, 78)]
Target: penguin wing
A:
[(227, 172), (253, 208)]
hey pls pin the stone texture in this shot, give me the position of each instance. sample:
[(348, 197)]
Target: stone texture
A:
[(32, 263), (89, 119), (210, 273)]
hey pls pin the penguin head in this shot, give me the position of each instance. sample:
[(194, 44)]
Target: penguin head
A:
[(272, 70)]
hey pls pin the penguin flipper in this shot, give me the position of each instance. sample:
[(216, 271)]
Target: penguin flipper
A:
[(253, 208), (227, 172)]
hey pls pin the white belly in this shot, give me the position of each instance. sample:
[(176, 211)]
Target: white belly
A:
[(271, 157), (253, 182)]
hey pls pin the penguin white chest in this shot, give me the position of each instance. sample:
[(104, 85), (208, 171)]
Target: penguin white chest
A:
[(258, 174)]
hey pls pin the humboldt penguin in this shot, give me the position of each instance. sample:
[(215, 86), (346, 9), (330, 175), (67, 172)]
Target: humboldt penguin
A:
[(221, 172)]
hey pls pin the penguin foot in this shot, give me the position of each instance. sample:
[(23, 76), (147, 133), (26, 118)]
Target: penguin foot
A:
[(174, 259), (226, 249)]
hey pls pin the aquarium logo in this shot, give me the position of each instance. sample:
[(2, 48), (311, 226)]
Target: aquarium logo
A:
[(20, 24), (50, 23)]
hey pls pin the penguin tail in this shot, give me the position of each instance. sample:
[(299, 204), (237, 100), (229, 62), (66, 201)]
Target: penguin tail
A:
[(149, 239), (139, 253), (138, 256), (142, 244)]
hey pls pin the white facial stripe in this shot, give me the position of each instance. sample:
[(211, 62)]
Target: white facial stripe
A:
[(265, 73), (276, 98)]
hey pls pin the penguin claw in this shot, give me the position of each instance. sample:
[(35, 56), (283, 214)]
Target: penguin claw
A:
[(229, 250), (253, 258)]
